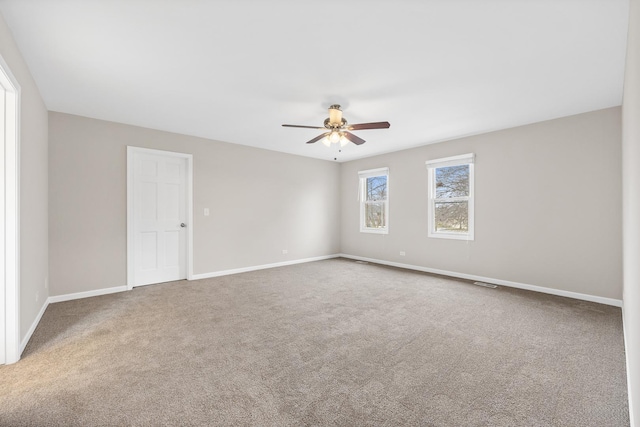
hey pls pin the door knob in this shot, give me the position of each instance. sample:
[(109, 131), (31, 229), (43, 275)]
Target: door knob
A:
[(183, 225)]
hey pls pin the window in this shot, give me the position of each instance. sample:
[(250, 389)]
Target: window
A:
[(451, 197), (374, 200)]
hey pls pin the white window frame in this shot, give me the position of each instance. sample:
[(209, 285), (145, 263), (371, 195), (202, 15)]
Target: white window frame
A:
[(362, 198), (432, 165)]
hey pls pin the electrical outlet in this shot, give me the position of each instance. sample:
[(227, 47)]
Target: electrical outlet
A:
[(402, 253), (206, 211), (284, 252)]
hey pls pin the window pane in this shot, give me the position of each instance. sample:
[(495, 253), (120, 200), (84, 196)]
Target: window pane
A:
[(374, 215), (452, 181), (452, 216), (377, 188)]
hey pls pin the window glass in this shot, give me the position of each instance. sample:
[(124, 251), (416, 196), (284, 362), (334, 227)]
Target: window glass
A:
[(452, 181)]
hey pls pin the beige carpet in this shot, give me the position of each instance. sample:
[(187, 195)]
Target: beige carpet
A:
[(325, 343)]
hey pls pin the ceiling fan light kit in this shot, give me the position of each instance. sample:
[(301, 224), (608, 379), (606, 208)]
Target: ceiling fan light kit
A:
[(338, 129)]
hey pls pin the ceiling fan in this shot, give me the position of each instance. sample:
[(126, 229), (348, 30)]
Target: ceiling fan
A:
[(338, 129)]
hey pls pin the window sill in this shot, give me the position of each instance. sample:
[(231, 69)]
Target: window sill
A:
[(375, 230), (452, 236)]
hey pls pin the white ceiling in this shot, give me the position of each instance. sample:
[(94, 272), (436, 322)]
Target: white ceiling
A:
[(235, 70)]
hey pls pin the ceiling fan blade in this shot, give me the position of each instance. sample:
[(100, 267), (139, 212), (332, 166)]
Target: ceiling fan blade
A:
[(301, 126), (318, 138), (374, 125), (351, 137)]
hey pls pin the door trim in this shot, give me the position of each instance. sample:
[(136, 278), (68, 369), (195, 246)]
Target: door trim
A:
[(10, 193), (131, 151)]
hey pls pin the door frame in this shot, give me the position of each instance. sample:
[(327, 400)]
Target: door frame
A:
[(131, 151), (10, 206)]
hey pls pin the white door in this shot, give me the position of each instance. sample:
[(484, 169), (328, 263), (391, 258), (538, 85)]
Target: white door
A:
[(2, 228), (9, 214), (158, 216)]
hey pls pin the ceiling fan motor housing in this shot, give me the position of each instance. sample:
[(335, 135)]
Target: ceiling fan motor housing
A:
[(335, 120), (335, 126)]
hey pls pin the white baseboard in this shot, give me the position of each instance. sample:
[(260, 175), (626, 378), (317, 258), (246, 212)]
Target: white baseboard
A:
[(86, 294), (559, 292), (33, 327), (260, 267)]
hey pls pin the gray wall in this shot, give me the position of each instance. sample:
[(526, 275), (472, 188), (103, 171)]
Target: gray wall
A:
[(33, 185), (631, 207), (261, 202), (547, 206)]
